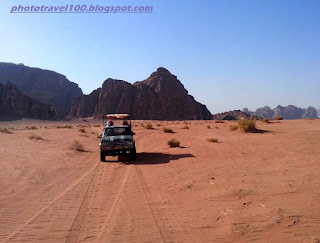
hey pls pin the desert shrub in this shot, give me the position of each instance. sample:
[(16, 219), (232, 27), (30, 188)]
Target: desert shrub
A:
[(219, 121), (309, 118), (252, 118), (33, 136), (247, 125), (212, 140), (173, 143), (5, 130), (167, 130), (185, 123), (148, 126), (234, 128), (216, 127), (82, 130), (185, 127), (208, 127), (97, 125), (158, 125), (278, 118), (77, 146), (31, 128), (266, 120), (65, 126)]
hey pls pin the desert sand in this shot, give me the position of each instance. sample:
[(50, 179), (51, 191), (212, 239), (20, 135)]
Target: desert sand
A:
[(260, 187)]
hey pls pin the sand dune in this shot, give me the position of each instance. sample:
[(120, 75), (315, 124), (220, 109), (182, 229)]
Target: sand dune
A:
[(247, 187)]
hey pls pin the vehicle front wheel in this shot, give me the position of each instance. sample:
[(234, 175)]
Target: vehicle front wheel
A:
[(133, 155), (102, 157)]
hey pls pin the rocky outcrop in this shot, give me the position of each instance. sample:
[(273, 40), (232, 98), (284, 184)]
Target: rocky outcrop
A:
[(310, 112), (159, 97), (286, 112), (232, 115), (14, 104), (43, 85), (85, 105), (265, 112)]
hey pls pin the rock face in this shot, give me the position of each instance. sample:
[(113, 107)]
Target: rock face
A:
[(286, 112), (14, 104), (159, 97), (310, 112), (265, 112), (231, 115), (45, 86), (84, 105)]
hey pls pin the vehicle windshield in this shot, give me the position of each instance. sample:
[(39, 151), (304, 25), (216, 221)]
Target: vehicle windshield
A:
[(117, 131)]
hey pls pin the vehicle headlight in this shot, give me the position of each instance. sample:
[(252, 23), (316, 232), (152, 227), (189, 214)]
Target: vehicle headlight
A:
[(103, 144)]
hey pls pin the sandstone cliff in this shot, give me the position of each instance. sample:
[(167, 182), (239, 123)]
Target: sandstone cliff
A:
[(14, 104), (286, 112), (159, 97), (232, 115), (43, 85)]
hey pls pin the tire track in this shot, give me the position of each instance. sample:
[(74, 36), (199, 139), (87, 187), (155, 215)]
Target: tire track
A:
[(146, 194), (104, 226), (85, 204), (54, 200)]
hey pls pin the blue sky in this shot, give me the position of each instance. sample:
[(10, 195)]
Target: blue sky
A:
[(228, 54)]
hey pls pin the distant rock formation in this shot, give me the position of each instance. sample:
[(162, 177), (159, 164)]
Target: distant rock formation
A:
[(288, 112), (159, 97), (43, 85), (310, 112), (265, 112), (318, 111), (232, 115), (14, 104)]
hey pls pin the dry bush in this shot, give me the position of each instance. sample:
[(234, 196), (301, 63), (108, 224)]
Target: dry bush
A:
[(77, 146), (309, 118), (65, 126), (33, 136), (158, 125), (247, 125), (97, 125), (216, 127), (185, 123), (173, 143), (252, 118), (82, 130), (31, 128), (278, 118), (266, 120), (167, 130), (219, 121), (208, 127), (185, 127), (234, 128), (212, 140), (5, 130), (147, 126)]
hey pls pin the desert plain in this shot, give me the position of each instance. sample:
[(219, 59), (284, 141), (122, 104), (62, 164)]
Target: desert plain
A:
[(261, 187)]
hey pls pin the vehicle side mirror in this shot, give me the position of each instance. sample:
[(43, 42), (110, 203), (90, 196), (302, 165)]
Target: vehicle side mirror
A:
[(100, 135)]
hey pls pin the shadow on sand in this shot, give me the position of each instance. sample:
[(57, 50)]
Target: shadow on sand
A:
[(150, 158)]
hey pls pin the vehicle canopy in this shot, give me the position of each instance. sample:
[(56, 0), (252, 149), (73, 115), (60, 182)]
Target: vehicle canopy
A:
[(119, 119)]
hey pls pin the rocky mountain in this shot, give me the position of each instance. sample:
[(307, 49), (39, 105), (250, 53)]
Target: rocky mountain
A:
[(232, 115), (14, 104), (287, 112), (318, 111), (43, 85), (160, 97)]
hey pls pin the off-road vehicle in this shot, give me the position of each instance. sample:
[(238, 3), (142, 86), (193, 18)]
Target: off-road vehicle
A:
[(117, 137)]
